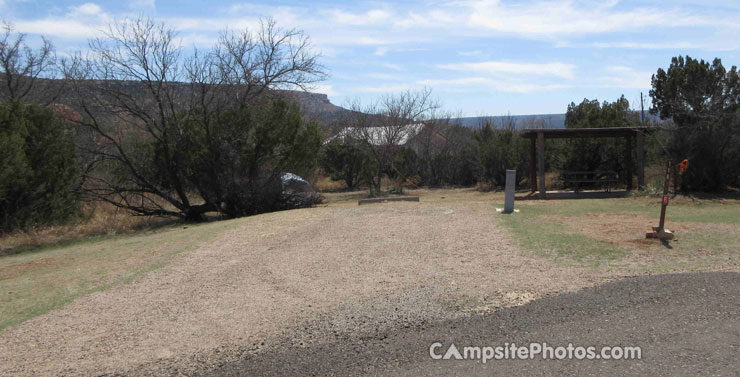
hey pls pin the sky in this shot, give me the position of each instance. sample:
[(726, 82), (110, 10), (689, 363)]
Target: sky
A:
[(479, 57)]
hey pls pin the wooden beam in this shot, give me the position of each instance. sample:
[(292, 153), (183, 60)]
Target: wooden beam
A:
[(389, 199), (541, 163), (560, 133), (533, 164), (640, 155)]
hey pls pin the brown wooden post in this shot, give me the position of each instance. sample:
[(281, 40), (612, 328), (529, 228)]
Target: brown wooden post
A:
[(640, 155), (541, 163), (664, 201), (533, 164), (628, 162)]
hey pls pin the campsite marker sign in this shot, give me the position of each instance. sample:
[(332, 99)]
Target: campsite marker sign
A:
[(660, 231)]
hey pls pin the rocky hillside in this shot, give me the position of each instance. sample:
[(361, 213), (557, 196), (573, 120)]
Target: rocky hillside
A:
[(315, 106)]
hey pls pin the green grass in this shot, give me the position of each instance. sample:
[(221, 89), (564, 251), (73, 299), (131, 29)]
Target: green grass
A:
[(548, 238), (725, 211), (38, 281), (537, 230)]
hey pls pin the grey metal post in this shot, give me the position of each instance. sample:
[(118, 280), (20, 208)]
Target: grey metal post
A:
[(509, 193)]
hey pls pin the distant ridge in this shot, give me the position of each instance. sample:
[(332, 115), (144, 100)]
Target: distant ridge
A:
[(528, 121), (520, 121), (318, 107)]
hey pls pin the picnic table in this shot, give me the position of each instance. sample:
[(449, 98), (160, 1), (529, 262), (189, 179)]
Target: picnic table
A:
[(576, 179)]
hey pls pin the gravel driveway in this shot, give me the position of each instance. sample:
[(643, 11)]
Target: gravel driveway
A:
[(302, 278)]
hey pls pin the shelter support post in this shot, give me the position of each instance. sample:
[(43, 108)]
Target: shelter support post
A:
[(533, 164), (640, 155), (541, 163), (628, 161)]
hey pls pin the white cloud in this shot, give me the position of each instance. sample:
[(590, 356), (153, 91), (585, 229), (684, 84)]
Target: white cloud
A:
[(383, 76), (471, 53), (713, 45), (507, 76), (382, 51), (470, 84), (393, 67), (87, 9), (556, 69), (624, 77), (432, 18), (647, 45), (80, 22), (324, 89), (390, 25), (63, 28), (142, 4), (371, 17), (191, 24), (386, 88), (557, 19)]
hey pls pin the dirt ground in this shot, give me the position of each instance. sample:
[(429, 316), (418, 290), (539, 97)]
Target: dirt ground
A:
[(303, 277), (628, 229)]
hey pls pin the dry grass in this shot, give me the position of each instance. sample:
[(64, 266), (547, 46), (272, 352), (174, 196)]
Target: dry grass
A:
[(98, 219), (324, 183), (33, 283)]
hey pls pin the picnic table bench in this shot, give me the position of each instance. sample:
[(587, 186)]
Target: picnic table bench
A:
[(576, 179)]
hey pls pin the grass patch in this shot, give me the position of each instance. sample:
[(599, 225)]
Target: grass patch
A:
[(540, 228), (680, 209), (547, 238), (36, 282)]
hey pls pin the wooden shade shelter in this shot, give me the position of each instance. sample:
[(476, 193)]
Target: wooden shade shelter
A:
[(633, 136)]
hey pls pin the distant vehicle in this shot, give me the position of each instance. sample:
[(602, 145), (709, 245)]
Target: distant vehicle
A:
[(297, 191)]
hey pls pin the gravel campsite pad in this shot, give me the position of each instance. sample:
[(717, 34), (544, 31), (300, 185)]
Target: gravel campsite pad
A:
[(297, 279)]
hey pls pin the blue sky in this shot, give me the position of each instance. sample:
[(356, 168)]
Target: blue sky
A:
[(479, 57)]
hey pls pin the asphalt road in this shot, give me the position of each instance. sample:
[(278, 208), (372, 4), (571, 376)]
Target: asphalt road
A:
[(685, 324)]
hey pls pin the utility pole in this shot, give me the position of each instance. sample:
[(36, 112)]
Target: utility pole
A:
[(642, 110)]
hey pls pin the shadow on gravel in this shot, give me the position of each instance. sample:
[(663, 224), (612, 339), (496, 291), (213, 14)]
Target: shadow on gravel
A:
[(686, 324)]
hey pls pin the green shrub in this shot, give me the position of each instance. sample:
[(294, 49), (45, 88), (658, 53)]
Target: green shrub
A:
[(501, 149), (702, 100), (344, 161), (235, 163), (39, 171), (601, 154)]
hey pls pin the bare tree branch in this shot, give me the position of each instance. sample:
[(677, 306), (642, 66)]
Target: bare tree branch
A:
[(23, 69)]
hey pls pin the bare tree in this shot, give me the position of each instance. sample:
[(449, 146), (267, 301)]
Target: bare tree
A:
[(22, 69), (250, 63), (385, 125), (138, 87)]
